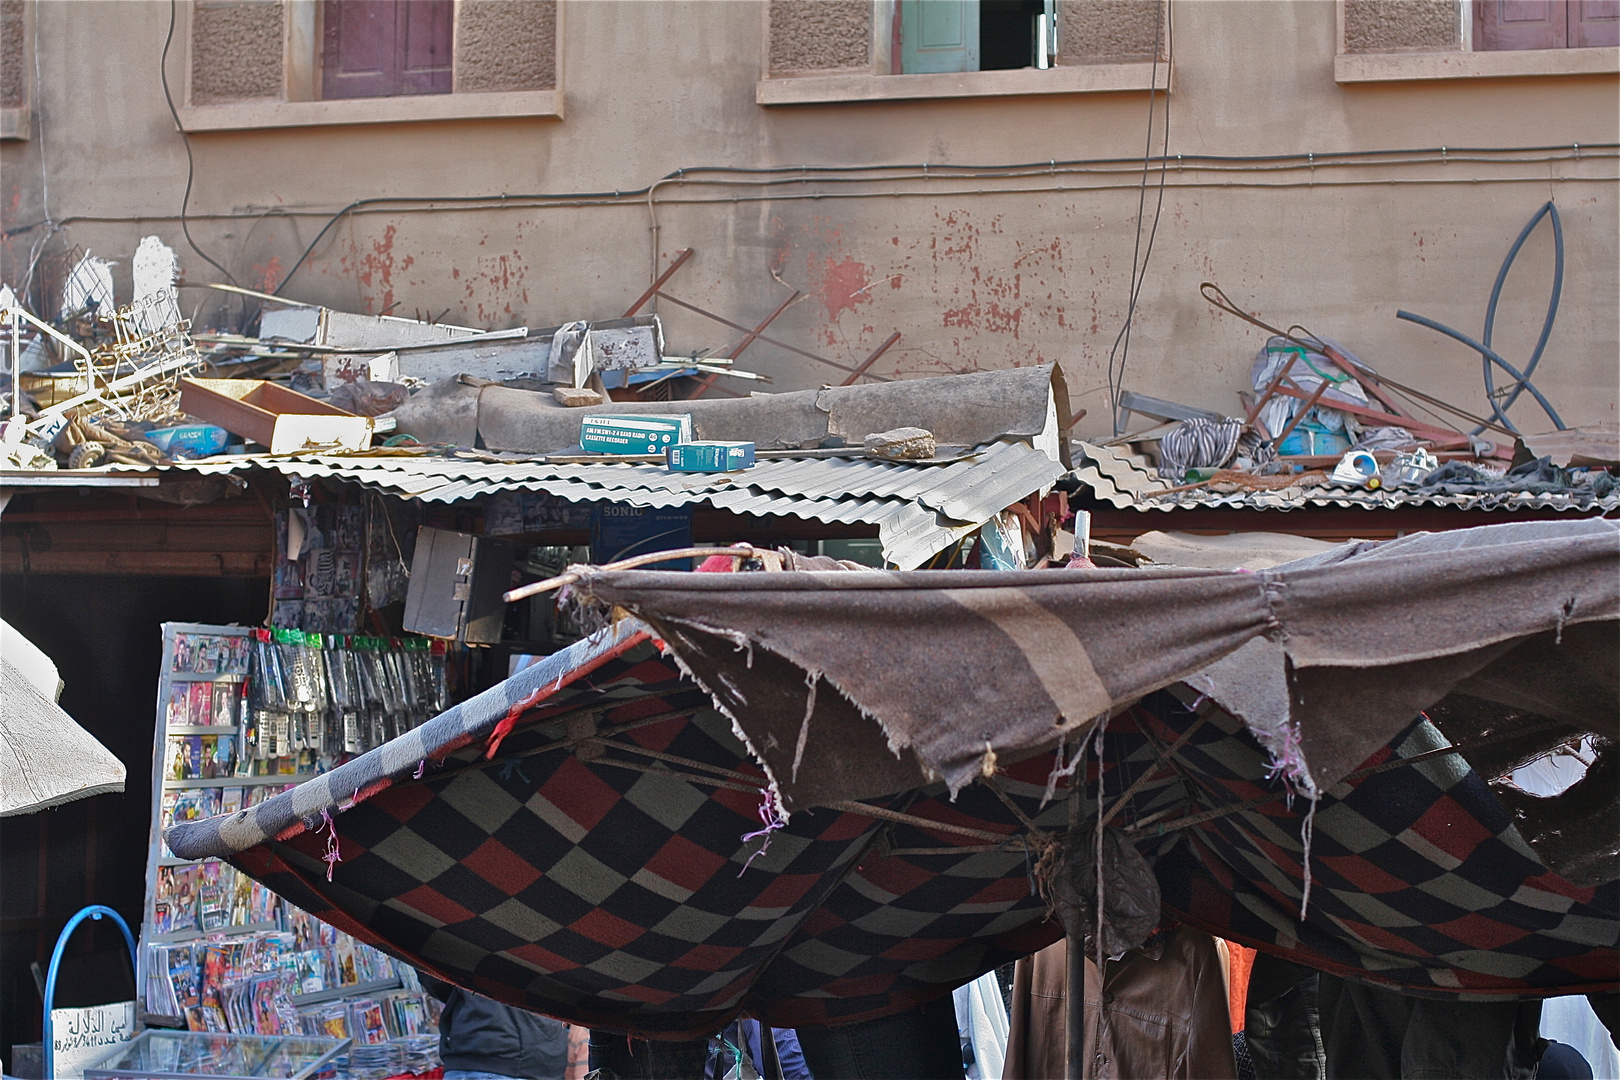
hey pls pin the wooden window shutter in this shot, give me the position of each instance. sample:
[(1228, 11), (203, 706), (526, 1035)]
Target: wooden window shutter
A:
[(386, 48), (1520, 24), (426, 35), (939, 35), (1594, 22)]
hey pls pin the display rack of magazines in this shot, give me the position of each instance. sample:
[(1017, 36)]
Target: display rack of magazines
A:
[(242, 715)]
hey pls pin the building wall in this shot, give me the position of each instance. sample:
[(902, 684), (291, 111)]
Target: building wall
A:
[(975, 273), (237, 51), (820, 35), (1398, 25), (506, 45)]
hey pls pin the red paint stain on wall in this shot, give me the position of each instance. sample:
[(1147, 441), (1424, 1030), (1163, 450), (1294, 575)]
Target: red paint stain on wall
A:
[(376, 271), (842, 284)]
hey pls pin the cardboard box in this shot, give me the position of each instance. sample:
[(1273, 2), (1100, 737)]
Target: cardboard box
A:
[(638, 434), (274, 416), (710, 457)]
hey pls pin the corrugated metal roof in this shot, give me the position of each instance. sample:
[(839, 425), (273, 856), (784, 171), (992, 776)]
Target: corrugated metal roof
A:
[(919, 509), (1127, 480)]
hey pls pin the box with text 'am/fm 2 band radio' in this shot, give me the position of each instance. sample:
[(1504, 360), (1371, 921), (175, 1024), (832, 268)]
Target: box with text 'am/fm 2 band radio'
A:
[(635, 434)]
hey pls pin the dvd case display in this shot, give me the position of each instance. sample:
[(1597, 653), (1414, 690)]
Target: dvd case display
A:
[(241, 716)]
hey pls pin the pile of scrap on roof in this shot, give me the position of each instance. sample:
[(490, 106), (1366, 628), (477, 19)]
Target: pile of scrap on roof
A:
[(591, 411), (1320, 424), (818, 796)]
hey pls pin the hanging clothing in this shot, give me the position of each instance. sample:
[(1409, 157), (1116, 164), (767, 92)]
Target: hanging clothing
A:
[(1160, 1017), (981, 1018)]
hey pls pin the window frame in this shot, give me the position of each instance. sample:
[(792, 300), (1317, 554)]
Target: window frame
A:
[(1465, 63), (877, 82), (301, 104)]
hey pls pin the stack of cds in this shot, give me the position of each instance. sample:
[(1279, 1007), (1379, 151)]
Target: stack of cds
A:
[(375, 1061), (421, 1053)]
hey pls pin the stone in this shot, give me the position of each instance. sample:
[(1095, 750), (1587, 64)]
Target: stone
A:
[(571, 398), (901, 444)]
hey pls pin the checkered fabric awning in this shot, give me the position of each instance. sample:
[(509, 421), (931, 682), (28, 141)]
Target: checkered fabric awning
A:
[(610, 883)]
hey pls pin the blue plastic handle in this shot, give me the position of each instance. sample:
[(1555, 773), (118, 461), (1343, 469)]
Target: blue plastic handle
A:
[(94, 911)]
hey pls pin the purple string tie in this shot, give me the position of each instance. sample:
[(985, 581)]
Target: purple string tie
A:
[(767, 815)]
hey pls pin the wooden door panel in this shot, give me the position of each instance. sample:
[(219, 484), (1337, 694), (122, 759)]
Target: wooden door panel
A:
[(1520, 24)]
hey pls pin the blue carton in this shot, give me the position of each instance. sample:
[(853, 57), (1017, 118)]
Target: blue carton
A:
[(635, 434), (189, 440), (710, 456)]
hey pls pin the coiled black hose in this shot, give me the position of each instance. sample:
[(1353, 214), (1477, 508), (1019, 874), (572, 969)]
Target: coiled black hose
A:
[(1490, 356)]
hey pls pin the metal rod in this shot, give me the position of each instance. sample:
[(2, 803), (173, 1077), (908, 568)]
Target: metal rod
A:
[(680, 260), (16, 367), (870, 360), (747, 340), (1310, 403), (768, 340), (1074, 1015), (741, 551)]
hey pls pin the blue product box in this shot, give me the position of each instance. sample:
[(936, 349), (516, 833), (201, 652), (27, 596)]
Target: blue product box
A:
[(190, 440), (710, 456), (637, 434)]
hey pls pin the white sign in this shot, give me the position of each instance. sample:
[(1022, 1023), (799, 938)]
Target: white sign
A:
[(79, 1037)]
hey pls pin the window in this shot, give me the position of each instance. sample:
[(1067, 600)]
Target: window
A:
[(1471, 39), (385, 48), (975, 35), (1501, 25), (821, 51), (309, 63)]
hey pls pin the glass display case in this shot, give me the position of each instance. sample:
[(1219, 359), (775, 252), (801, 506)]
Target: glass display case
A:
[(158, 1054)]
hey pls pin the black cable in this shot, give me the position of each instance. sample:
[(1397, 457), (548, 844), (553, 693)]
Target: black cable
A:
[(191, 168), (1124, 335), (1306, 160)]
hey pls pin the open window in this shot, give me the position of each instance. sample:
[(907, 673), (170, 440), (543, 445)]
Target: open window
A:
[(975, 35)]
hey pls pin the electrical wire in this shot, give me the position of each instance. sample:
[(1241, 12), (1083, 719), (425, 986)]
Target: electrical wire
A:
[(1195, 163), (1116, 387), (191, 166)]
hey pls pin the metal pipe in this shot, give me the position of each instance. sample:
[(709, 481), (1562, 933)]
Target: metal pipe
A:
[(1074, 942), (652, 290), (16, 374), (870, 360)]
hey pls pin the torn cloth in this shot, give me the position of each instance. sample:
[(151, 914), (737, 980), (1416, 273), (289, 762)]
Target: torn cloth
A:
[(950, 669)]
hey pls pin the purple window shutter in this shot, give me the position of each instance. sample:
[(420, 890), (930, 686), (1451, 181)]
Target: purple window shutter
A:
[(357, 59), (1594, 22), (386, 48), (1520, 24), (426, 30)]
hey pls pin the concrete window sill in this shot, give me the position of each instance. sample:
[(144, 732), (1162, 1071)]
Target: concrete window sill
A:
[(865, 86), (1524, 63), (14, 122), (249, 115)]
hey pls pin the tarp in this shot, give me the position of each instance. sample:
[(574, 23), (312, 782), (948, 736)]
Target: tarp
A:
[(607, 862), (45, 758), (956, 667)]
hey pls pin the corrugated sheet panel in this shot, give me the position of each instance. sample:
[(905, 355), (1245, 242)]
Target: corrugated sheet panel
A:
[(919, 509), (1127, 480)]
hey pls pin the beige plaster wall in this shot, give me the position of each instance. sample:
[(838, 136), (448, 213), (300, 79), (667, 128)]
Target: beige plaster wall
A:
[(506, 45), (972, 277), (236, 51), (820, 35), (14, 77), (1111, 30), (1372, 26)]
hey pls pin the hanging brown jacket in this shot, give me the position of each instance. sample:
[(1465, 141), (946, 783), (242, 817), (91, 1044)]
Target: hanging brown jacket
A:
[(1162, 1018)]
